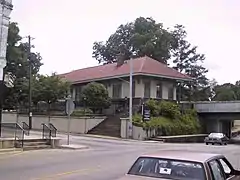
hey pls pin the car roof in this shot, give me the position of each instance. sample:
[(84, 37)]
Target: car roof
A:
[(183, 155), (216, 133)]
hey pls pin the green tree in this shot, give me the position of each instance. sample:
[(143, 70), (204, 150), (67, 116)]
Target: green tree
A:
[(145, 36), (50, 89), (226, 92), (186, 60), (96, 96), (18, 66), (136, 39)]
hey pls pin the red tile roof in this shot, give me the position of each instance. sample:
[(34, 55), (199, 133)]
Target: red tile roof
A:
[(141, 66)]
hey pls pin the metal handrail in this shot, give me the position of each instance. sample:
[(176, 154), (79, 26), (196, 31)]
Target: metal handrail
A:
[(18, 126), (53, 130), (26, 129), (14, 127), (46, 132)]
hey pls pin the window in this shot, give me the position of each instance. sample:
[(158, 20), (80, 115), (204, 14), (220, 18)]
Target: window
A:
[(159, 91), (78, 91), (170, 92), (117, 90), (226, 168), (167, 168), (216, 135), (71, 92), (147, 89), (217, 173)]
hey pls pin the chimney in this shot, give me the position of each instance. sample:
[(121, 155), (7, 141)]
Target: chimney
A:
[(120, 59)]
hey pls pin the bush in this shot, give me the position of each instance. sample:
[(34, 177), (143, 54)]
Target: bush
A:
[(164, 108), (137, 120), (82, 112), (167, 119), (153, 107), (169, 109)]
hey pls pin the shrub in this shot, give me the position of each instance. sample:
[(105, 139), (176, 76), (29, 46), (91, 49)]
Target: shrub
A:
[(169, 109), (137, 120), (154, 107), (171, 121), (82, 112), (164, 108)]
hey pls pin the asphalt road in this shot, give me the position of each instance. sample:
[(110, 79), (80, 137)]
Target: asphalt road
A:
[(104, 160)]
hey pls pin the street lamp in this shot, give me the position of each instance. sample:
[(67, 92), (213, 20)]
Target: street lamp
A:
[(130, 126), (120, 61), (5, 11), (84, 105)]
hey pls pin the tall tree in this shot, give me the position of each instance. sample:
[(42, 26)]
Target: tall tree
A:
[(225, 92), (186, 60), (18, 66), (135, 39), (50, 88)]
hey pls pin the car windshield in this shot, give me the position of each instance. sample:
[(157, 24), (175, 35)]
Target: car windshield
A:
[(216, 135), (167, 168)]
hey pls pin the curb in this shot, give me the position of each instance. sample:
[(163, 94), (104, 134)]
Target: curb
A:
[(73, 148), (109, 137), (10, 151), (102, 137)]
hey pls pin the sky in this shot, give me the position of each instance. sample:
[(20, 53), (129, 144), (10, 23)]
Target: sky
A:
[(64, 30)]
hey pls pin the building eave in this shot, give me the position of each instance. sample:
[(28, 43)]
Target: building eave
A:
[(127, 75)]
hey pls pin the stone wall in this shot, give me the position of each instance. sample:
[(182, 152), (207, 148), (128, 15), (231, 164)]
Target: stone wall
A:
[(77, 125), (137, 132)]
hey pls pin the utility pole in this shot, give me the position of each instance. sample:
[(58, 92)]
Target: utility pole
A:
[(130, 127), (30, 82)]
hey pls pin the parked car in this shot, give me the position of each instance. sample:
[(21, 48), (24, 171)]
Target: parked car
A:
[(216, 138), (182, 165)]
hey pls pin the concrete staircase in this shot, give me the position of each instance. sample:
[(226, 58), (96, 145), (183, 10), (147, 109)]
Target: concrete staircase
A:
[(33, 144), (111, 126)]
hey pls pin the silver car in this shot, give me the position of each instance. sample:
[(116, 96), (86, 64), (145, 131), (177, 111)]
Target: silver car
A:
[(216, 138)]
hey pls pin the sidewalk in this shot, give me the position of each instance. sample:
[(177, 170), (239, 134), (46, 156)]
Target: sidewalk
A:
[(63, 135)]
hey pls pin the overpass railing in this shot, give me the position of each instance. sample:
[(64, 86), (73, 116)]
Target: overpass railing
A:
[(213, 106)]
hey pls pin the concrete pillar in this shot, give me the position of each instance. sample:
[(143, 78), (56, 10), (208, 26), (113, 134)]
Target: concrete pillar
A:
[(227, 128), (219, 126)]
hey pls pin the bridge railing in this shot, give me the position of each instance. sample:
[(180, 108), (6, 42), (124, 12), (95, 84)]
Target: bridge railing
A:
[(213, 106)]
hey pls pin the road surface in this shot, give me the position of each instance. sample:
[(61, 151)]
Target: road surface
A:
[(105, 159)]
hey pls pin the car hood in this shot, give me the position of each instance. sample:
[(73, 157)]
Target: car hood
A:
[(132, 177)]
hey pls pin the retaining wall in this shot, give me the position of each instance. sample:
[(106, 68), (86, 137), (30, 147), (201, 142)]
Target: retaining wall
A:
[(77, 125)]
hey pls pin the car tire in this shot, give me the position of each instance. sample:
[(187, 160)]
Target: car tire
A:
[(206, 143), (225, 143), (221, 144), (212, 143)]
